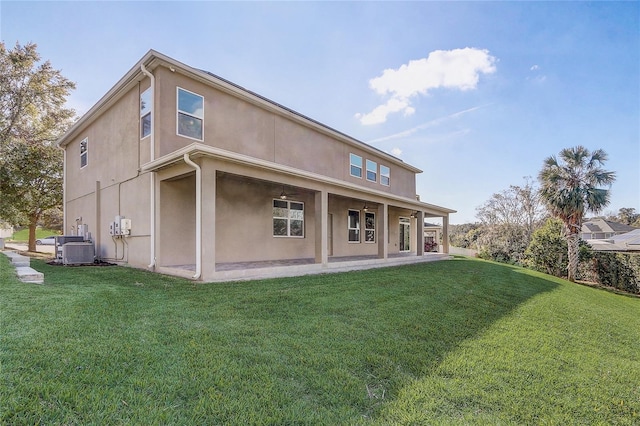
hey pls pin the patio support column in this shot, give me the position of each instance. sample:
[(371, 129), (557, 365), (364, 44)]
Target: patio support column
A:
[(321, 220), (445, 234), (419, 233), (382, 229), (209, 184)]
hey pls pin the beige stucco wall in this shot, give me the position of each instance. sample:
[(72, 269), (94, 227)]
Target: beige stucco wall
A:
[(112, 172), (237, 209), (113, 148), (244, 222), (339, 210), (240, 224), (236, 125), (177, 221), (129, 199)]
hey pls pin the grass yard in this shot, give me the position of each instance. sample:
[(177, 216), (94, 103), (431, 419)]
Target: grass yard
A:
[(23, 234), (456, 342)]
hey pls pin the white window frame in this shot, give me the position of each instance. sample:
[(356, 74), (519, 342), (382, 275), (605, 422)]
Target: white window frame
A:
[(288, 218), (372, 167), (385, 175), (368, 229), (356, 228), (84, 154), (144, 114), (179, 111), (352, 165), (405, 221)]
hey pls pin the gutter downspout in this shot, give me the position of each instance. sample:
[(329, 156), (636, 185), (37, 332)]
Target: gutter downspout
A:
[(152, 194), (198, 215), (64, 190)]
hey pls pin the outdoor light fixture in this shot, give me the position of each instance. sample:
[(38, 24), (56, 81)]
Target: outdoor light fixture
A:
[(365, 208), (283, 195)]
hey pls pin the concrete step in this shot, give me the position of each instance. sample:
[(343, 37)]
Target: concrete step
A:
[(17, 259), (27, 274)]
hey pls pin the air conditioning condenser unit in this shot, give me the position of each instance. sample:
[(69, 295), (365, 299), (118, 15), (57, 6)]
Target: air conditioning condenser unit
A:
[(78, 253)]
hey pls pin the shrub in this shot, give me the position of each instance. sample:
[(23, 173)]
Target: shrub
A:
[(618, 270), (503, 243), (547, 251)]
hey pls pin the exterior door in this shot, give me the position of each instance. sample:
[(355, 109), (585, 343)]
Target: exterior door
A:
[(405, 234)]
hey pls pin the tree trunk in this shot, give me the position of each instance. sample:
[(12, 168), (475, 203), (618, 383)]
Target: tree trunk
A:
[(572, 267), (33, 222)]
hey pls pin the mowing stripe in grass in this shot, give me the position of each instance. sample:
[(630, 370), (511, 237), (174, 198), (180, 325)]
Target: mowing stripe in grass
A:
[(460, 341)]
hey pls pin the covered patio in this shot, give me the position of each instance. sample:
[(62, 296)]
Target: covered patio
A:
[(225, 221)]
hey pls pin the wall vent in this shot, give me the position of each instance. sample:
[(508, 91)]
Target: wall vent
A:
[(78, 253)]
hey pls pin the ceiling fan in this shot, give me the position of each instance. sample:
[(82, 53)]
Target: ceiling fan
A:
[(284, 195)]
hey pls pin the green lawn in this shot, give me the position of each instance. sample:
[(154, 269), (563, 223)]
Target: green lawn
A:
[(456, 342), (23, 234)]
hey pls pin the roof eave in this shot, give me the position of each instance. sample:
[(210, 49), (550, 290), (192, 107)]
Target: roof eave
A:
[(133, 76)]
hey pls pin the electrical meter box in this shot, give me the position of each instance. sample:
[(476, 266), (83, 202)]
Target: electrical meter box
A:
[(114, 228), (120, 226), (125, 226)]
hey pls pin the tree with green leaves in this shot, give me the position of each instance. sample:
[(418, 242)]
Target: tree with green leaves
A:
[(628, 216), (32, 117), (30, 184), (571, 186), (547, 251), (508, 220)]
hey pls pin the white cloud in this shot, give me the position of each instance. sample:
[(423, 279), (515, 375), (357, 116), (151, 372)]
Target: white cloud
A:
[(379, 114), (537, 78), (396, 151), (451, 69)]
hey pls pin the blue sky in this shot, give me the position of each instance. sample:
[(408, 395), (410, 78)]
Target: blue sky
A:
[(476, 94)]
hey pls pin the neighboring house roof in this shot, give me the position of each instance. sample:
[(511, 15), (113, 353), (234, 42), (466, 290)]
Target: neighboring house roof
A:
[(620, 227), (593, 227), (605, 226), (629, 241)]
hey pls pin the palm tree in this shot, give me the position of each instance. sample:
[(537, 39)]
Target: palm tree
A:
[(571, 187)]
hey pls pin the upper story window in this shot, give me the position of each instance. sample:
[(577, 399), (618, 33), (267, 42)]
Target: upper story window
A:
[(288, 218), (145, 113), (190, 114), (385, 175), (355, 165), (372, 171), (84, 153), (354, 226)]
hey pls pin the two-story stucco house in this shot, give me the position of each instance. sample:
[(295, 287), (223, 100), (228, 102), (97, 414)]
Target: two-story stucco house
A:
[(185, 173), (600, 229)]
